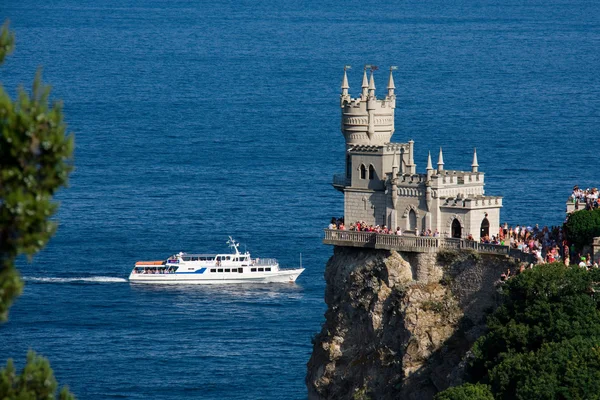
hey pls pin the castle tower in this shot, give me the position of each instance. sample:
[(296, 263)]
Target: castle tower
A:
[(367, 120)]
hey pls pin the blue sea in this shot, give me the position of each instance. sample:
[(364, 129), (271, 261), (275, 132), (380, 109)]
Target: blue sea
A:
[(195, 120)]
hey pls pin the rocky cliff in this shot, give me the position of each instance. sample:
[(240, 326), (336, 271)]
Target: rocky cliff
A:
[(398, 325)]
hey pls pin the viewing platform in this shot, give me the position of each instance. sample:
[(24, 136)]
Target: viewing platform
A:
[(418, 244)]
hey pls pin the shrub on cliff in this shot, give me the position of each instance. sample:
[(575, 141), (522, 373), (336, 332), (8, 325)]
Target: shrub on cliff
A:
[(569, 369), (548, 303), (582, 226), (543, 342), (466, 392)]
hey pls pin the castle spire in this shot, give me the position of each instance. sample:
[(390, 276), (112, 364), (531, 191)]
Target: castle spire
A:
[(345, 97), (345, 85), (391, 86), (475, 165), (429, 167), (372, 85), (440, 161), (365, 85)]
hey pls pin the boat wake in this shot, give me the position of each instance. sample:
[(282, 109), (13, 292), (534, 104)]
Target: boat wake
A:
[(93, 279)]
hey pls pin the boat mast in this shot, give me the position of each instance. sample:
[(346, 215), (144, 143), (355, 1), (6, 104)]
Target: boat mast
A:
[(233, 244)]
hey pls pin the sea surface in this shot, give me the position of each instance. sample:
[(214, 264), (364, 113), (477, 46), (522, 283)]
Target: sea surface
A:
[(195, 120)]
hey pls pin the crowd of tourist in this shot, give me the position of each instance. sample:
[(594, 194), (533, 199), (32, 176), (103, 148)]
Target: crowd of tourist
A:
[(361, 226), (548, 245), (588, 196)]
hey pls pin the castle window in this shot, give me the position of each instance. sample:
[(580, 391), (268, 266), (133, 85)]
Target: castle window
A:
[(371, 172), (363, 171)]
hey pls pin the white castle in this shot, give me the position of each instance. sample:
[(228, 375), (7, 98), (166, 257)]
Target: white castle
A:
[(381, 185)]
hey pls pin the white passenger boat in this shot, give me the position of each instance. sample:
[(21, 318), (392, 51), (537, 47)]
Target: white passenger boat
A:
[(234, 267)]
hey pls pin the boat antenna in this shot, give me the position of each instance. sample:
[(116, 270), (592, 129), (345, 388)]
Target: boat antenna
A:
[(233, 244), (300, 260)]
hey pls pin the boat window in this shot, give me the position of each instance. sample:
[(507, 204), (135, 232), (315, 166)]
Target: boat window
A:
[(213, 270), (261, 269), (218, 258), (241, 270), (220, 270), (185, 258), (194, 258), (252, 269), (267, 269), (227, 270), (233, 269), (229, 257)]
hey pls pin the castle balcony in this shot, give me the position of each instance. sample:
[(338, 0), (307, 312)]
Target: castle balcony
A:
[(418, 244), (340, 181)]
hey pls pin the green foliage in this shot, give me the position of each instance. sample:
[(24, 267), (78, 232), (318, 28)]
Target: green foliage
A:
[(36, 381), (35, 161), (7, 42), (467, 391), (566, 370), (544, 341), (35, 157), (549, 303), (582, 226)]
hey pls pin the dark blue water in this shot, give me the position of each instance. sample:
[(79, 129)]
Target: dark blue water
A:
[(199, 120)]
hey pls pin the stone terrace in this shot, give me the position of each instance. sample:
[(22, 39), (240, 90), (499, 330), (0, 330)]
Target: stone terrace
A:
[(417, 244)]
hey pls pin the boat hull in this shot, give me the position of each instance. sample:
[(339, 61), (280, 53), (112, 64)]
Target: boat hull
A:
[(280, 276)]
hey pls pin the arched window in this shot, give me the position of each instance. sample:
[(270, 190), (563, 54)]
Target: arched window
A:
[(412, 220), (371, 172), (363, 171), (485, 228), (456, 229)]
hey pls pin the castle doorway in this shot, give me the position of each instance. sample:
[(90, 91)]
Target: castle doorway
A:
[(485, 228), (412, 220), (456, 229)]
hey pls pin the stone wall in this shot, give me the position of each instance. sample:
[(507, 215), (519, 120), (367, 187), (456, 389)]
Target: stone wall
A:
[(368, 206)]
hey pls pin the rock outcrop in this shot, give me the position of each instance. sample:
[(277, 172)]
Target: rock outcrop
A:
[(398, 325)]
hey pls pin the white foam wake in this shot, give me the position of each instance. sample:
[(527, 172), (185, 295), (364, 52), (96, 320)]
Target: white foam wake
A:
[(74, 279)]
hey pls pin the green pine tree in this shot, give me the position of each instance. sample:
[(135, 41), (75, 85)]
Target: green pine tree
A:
[(35, 161)]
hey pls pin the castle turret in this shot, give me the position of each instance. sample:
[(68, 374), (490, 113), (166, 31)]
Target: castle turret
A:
[(345, 97), (365, 86), (429, 167), (367, 120), (474, 165), (391, 86), (440, 163)]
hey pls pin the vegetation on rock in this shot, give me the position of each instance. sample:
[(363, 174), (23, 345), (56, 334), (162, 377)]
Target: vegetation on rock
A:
[(582, 226), (467, 391), (35, 161), (544, 340)]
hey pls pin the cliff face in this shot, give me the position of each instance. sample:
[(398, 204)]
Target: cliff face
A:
[(399, 324)]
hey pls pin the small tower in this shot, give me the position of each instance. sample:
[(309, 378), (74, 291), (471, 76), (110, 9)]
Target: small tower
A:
[(429, 167), (365, 86), (345, 97), (367, 120), (474, 165), (440, 162)]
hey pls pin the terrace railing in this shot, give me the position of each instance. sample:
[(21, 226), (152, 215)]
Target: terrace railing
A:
[(341, 180), (417, 244)]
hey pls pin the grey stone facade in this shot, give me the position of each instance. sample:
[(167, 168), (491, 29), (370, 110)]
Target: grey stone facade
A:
[(381, 185)]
